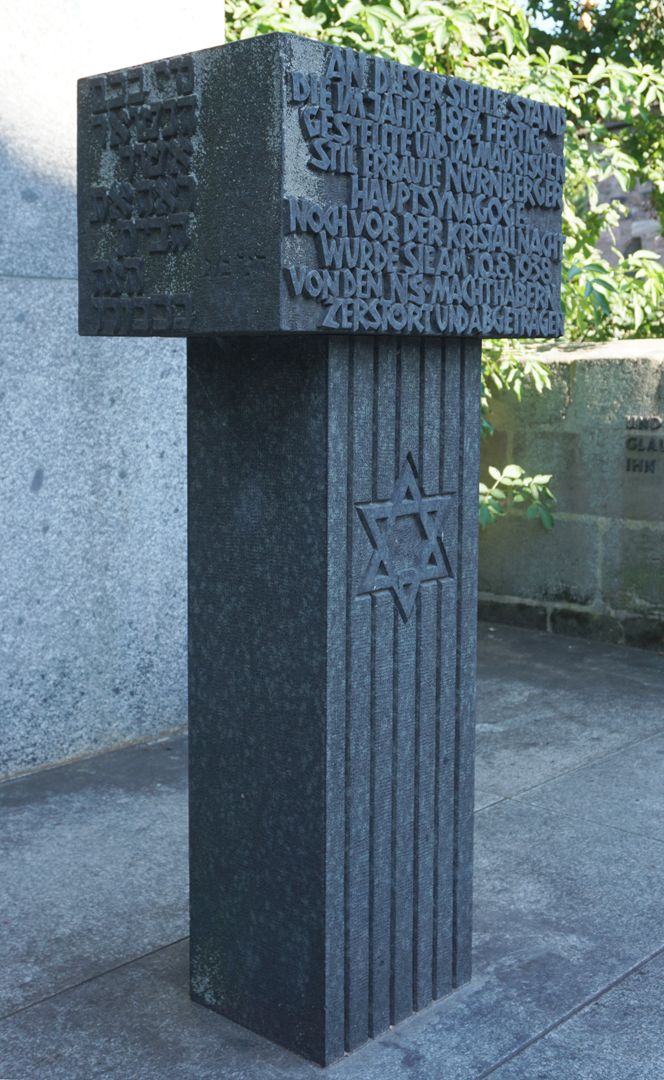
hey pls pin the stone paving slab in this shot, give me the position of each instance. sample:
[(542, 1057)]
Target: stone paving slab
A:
[(624, 790), (618, 1037), (485, 798), (93, 868), (549, 704), (567, 902), (562, 910)]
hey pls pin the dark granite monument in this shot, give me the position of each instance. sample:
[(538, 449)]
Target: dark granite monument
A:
[(334, 233)]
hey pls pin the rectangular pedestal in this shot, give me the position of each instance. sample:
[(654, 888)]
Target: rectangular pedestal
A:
[(332, 628)]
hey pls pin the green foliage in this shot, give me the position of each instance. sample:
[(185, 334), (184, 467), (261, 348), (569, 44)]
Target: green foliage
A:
[(604, 301), (610, 82), (512, 487), (622, 30)]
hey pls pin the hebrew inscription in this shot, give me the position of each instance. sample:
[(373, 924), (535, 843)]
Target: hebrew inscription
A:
[(440, 204), (142, 123)]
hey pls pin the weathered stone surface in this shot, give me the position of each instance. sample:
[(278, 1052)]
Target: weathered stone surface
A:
[(280, 184), (601, 433), (566, 568), (633, 568), (331, 717), (531, 615)]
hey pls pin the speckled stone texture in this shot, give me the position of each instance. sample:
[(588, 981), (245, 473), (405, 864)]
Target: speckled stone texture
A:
[(278, 184), (332, 487), (42, 212), (331, 707), (92, 533)]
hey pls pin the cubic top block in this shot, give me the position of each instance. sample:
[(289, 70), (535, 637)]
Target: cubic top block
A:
[(283, 185)]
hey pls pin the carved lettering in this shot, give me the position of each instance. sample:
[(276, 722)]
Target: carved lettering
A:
[(145, 119), (451, 221)]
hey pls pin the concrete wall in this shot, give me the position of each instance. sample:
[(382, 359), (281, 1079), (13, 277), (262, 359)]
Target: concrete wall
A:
[(600, 571), (92, 437)]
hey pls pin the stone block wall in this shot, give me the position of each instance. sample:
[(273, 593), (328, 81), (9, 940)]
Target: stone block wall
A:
[(639, 227), (600, 431)]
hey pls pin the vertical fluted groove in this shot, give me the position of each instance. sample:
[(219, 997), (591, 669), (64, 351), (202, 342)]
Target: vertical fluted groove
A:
[(359, 733), (405, 711), (375, 418), (373, 719), (337, 630), (421, 409), (372, 823), (429, 435), (459, 665), (435, 962), (397, 413), (384, 706), (349, 600), (406, 721), (447, 646), (466, 651), (419, 811), (417, 614), (395, 720), (443, 391), (393, 877)]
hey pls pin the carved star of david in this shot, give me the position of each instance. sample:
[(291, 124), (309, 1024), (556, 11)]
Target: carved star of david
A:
[(406, 533)]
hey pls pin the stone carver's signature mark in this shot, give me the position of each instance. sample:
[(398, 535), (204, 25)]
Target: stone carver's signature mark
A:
[(406, 533)]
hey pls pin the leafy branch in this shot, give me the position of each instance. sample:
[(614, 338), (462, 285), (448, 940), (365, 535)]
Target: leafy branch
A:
[(512, 487)]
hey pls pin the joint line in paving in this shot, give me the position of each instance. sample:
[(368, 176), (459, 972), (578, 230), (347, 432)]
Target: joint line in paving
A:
[(569, 1015), (90, 978)]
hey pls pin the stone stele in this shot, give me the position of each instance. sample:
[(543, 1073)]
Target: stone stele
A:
[(334, 233)]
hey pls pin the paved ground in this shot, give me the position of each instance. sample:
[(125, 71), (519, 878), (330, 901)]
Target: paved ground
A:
[(569, 928)]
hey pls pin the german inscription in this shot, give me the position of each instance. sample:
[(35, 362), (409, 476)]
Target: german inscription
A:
[(283, 185), (449, 220), (644, 443)]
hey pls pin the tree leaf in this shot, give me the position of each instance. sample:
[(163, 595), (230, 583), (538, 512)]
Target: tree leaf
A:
[(513, 472)]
